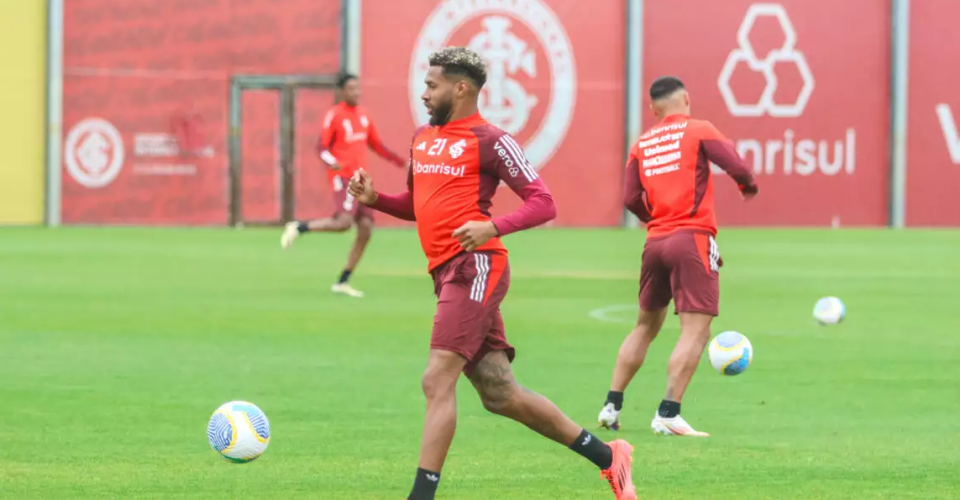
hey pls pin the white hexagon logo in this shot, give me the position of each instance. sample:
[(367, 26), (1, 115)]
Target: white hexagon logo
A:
[(786, 54)]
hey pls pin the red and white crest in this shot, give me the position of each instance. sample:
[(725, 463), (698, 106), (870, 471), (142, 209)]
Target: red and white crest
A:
[(93, 152), (531, 75)]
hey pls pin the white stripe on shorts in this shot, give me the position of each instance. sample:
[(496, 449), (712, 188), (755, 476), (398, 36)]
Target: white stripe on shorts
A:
[(714, 255), (479, 289)]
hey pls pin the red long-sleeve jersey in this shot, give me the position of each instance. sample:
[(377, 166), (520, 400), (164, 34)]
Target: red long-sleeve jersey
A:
[(347, 133), (454, 172), (668, 183)]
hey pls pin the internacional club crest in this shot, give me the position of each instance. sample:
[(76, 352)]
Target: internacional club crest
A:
[(530, 93), (93, 152)]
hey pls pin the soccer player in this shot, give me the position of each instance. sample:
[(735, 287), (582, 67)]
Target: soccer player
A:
[(347, 133), (669, 187), (457, 162)]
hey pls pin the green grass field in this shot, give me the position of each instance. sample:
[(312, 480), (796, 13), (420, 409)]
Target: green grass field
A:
[(117, 344)]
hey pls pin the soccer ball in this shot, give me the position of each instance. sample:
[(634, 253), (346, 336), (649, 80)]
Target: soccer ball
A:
[(239, 431), (730, 353), (829, 311)]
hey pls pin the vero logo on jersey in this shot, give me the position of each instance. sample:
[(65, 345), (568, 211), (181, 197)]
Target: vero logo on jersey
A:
[(512, 156)]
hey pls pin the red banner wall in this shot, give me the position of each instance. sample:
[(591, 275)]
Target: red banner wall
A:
[(799, 85), (556, 83), (145, 99), (933, 118)]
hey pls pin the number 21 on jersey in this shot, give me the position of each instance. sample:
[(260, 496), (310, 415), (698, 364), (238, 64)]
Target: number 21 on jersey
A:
[(438, 146)]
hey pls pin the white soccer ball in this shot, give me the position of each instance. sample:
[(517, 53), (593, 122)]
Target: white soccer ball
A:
[(829, 311), (730, 353), (239, 431)]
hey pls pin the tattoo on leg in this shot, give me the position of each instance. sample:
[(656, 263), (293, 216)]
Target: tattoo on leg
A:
[(501, 394), (494, 382)]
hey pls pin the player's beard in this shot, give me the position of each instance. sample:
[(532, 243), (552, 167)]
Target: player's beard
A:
[(440, 114)]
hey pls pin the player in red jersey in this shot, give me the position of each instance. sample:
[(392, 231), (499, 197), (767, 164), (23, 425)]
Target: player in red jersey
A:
[(347, 134), (669, 187), (457, 162)]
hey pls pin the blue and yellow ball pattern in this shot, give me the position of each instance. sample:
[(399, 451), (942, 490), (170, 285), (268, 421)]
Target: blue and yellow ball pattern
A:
[(731, 353), (239, 431)]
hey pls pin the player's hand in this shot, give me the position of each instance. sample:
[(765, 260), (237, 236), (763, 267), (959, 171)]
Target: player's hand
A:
[(334, 167), (402, 163), (749, 192), (475, 233), (361, 187)]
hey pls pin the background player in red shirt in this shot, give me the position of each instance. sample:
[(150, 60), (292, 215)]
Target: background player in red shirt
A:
[(347, 134), (456, 165), (668, 185)]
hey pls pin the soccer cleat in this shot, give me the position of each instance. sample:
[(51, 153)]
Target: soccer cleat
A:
[(619, 475), (609, 417), (346, 289), (675, 426), (290, 234)]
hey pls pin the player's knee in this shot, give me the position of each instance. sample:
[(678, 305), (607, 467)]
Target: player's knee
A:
[(645, 332), (364, 229), (498, 398), (498, 405), (435, 384), (652, 319), (341, 223), (695, 324)]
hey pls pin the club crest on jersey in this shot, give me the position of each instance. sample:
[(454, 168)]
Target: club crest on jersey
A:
[(457, 149), (524, 45)]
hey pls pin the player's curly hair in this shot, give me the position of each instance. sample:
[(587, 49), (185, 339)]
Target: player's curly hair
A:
[(461, 61)]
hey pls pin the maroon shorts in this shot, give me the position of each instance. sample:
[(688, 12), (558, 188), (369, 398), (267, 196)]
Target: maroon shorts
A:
[(469, 289), (343, 202), (684, 266)]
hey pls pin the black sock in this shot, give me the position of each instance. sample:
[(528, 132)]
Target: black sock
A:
[(425, 485), (345, 275), (593, 449), (302, 227), (616, 398), (668, 409)]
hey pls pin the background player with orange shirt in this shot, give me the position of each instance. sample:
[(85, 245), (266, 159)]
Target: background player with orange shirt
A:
[(342, 147), (456, 165), (668, 185)]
